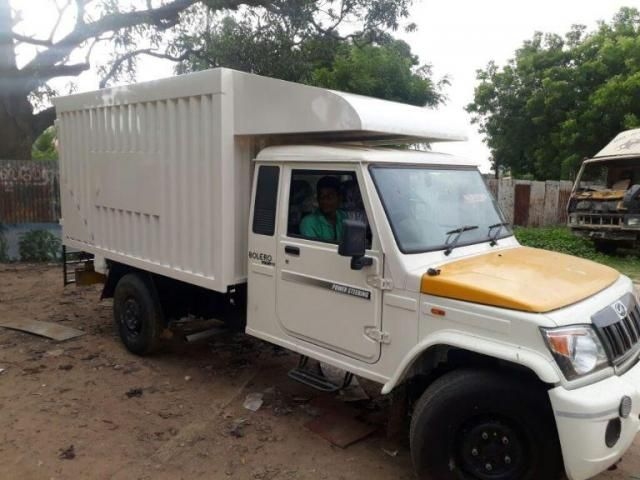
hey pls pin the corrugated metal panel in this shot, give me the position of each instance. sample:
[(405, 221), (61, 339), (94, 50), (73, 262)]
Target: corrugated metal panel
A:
[(154, 184), (29, 191), (506, 197), (536, 204), (492, 183), (563, 201), (521, 204), (551, 197), (533, 204)]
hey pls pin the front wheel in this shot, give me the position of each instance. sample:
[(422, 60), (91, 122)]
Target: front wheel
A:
[(484, 426)]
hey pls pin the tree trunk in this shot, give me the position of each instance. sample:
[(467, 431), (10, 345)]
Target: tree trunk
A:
[(16, 134), (16, 114)]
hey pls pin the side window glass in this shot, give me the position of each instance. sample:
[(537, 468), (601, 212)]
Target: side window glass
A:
[(320, 200), (264, 211)]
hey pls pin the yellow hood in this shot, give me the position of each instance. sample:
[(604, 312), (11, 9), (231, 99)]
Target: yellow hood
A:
[(520, 278)]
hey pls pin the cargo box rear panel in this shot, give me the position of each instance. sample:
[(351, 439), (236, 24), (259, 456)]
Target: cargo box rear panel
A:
[(153, 177)]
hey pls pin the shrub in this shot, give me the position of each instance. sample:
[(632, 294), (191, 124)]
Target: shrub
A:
[(39, 246), (559, 239)]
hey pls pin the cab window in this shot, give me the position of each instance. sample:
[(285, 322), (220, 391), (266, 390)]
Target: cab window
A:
[(319, 201)]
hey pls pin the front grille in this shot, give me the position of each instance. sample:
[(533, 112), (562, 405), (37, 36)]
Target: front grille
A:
[(600, 219), (622, 337)]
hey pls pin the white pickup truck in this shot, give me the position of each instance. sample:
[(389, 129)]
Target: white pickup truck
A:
[(271, 206)]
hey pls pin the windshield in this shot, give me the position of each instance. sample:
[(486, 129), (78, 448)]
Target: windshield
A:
[(609, 175), (425, 204)]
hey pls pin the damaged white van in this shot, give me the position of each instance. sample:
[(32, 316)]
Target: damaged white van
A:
[(275, 207)]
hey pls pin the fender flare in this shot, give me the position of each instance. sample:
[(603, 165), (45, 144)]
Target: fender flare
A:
[(542, 366)]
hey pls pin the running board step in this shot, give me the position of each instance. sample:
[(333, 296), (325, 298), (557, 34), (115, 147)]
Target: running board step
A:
[(315, 378)]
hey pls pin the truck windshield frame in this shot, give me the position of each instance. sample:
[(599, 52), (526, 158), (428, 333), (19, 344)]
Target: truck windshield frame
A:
[(602, 174), (476, 198)]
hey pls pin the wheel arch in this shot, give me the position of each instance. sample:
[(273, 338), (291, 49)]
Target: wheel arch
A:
[(449, 348), (114, 273)]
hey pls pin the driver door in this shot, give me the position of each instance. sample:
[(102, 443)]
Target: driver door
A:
[(320, 299)]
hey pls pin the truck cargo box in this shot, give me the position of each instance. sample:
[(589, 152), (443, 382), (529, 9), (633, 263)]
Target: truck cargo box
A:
[(157, 175)]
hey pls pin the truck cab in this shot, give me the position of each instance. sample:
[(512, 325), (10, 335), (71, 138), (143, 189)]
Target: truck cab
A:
[(446, 297), (605, 201)]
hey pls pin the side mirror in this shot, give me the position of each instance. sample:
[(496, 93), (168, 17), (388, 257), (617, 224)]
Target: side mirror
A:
[(632, 194), (354, 243)]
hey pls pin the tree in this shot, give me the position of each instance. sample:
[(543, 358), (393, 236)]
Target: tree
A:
[(373, 64), (561, 99), (44, 147), (142, 27), (388, 70)]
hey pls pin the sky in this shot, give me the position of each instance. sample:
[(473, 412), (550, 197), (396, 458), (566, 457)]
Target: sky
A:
[(457, 37)]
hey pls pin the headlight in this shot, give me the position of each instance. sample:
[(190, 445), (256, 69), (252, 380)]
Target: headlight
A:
[(577, 350), (633, 221)]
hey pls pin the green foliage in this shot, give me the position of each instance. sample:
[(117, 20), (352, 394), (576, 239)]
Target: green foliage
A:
[(44, 147), (39, 246), (269, 50), (281, 39), (560, 239), (388, 70), (373, 64), (561, 99)]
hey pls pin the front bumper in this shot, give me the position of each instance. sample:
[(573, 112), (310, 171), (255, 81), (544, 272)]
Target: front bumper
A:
[(582, 416), (616, 234)]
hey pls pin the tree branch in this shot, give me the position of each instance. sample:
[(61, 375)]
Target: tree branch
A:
[(163, 17), (60, 15), (94, 43), (80, 7), (26, 75), (67, 70), (146, 51), (42, 42), (112, 22), (32, 41)]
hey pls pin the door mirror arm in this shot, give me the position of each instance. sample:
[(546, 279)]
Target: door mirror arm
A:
[(358, 263)]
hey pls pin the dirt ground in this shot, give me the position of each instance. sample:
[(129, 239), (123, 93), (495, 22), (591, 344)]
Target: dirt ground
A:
[(86, 408)]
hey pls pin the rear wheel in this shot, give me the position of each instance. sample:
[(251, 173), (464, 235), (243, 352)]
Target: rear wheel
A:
[(137, 314), (485, 426)]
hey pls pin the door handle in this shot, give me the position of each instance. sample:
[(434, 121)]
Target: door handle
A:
[(292, 250)]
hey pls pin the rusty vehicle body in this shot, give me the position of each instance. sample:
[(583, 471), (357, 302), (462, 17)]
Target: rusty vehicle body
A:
[(605, 201)]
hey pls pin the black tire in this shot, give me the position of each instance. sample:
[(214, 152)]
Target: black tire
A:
[(605, 246), (137, 314), (468, 419)]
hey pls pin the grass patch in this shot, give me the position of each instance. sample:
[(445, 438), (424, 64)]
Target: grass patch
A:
[(560, 239)]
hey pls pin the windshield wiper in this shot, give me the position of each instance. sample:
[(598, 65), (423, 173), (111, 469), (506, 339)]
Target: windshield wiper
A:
[(451, 245), (494, 238)]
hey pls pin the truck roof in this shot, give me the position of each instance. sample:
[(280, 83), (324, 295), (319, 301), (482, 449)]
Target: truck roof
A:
[(625, 144), (261, 106), (358, 154)]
